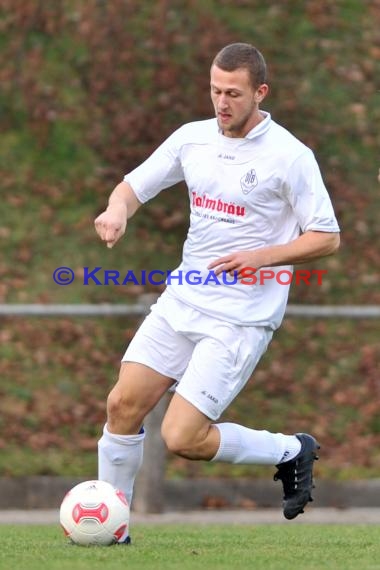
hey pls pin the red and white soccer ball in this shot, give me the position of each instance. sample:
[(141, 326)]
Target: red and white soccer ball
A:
[(94, 513)]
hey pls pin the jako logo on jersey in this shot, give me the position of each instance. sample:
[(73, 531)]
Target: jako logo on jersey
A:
[(249, 181), (218, 205), (227, 156)]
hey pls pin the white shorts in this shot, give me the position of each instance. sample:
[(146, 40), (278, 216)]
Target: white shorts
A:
[(210, 360)]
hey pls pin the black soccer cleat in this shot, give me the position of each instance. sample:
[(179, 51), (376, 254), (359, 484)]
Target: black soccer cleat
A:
[(297, 477)]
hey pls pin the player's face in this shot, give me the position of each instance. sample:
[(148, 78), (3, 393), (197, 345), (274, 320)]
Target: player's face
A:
[(236, 101)]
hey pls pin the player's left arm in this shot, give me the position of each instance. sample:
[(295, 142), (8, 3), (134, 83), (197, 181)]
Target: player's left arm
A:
[(305, 192), (309, 246)]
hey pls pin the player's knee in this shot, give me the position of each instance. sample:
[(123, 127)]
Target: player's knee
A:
[(122, 414), (116, 403), (178, 441), (176, 444)]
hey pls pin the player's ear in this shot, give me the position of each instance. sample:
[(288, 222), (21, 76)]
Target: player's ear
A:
[(261, 92)]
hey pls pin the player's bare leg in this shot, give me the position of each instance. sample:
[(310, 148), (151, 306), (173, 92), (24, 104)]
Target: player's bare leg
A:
[(188, 432), (135, 394)]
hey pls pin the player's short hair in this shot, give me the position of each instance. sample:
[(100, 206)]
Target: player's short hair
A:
[(241, 55)]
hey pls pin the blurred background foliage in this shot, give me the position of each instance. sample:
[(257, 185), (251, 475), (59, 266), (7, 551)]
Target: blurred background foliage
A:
[(88, 89)]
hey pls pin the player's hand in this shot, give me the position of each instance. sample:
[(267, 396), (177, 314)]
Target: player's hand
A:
[(236, 262), (111, 224)]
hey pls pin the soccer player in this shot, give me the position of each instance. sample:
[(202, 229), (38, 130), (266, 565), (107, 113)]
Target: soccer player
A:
[(258, 201)]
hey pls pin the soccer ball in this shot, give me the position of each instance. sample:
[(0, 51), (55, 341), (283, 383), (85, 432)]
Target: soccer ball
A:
[(94, 513)]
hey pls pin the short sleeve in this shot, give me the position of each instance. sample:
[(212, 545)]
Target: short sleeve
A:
[(308, 196), (161, 170)]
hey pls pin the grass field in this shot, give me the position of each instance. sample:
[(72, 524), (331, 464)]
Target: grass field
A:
[(233, 547)]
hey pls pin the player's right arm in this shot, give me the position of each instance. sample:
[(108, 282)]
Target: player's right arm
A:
[(122, 205), (162, 169)]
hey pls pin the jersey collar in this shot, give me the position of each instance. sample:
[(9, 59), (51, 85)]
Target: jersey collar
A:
[(261, 128), (257, 131)]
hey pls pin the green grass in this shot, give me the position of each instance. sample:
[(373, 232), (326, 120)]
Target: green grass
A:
[(269, 547)]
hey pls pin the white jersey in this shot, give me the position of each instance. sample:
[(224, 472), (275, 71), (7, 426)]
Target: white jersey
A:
[(245, 193)]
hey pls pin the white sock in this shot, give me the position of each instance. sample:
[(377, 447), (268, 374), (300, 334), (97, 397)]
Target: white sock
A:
[(119, 460), (239, 444)]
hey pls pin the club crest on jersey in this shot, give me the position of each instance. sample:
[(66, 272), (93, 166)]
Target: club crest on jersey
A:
[(249, 181)]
